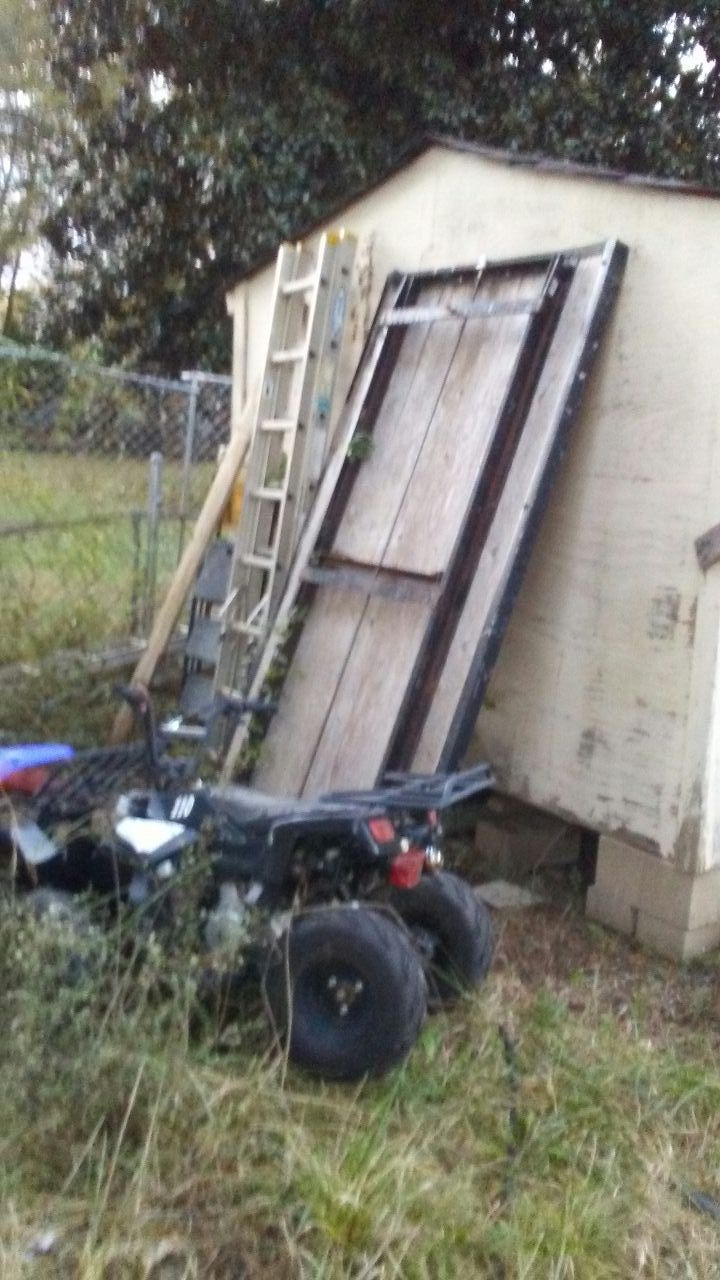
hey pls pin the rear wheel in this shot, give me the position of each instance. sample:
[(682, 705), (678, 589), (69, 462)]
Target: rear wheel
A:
[(346, 992), (452, 930)]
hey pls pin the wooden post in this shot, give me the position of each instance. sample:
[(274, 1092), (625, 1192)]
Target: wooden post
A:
[(186, 572)]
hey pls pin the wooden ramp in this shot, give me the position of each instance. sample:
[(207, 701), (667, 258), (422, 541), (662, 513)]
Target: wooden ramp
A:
[(413, 555)]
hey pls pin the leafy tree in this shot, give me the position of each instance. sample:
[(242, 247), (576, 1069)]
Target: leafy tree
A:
[(208, 131), (31, 117)]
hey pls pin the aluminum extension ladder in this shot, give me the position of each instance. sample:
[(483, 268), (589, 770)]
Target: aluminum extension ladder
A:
[(289, 443)]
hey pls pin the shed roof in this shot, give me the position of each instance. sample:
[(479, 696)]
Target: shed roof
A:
[(499, 155)]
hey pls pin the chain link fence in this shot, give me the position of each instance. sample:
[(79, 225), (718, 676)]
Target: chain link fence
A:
[(101, 472)]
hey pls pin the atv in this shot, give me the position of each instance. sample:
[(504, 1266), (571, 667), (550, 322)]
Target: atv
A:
[(345, 916)]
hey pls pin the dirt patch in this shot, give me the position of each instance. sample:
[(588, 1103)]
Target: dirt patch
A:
[(554, 947)]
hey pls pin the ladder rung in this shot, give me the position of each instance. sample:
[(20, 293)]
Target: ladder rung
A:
[(255, 561), (278, 424), (248, 629), (227, 691), (300, 285), (267, 494), (290, 356)]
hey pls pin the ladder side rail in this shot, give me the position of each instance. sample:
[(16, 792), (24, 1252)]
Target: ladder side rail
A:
[(317, 407), (251, 577), (321, 331), (303, 382)]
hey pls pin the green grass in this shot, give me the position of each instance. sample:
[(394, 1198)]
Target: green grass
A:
[(48, 702), (562, 1148), (74, 589), (554, 1126)]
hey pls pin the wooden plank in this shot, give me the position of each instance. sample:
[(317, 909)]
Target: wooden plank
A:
[(351, 748), (375, 581), (308, 692), (457, 442), (384, 652), (205, 527), (477, 636), (398, 435)]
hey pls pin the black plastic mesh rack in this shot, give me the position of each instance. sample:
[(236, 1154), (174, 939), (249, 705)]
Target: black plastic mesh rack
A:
[(90, 780)]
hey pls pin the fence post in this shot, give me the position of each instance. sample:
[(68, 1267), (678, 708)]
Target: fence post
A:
[(192, 378), (154, 512), (136, 604)]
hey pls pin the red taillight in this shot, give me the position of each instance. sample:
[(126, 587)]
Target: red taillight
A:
[(381, 830), (407, 868), (27, 781)]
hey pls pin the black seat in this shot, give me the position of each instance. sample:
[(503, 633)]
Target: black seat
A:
[(245, 804)]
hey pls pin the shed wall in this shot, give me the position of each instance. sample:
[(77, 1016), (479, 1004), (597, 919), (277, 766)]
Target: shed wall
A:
[(602, 702)]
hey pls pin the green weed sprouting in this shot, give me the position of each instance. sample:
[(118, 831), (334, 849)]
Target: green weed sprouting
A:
[(360, 447), (271, 686)]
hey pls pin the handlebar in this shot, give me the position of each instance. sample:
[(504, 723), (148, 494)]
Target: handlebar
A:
[(161, 768), (138, 697), (245, 706)]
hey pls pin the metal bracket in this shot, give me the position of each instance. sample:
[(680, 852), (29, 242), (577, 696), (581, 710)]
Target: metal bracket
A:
[(707, 548), (461, 311), (344, 574)]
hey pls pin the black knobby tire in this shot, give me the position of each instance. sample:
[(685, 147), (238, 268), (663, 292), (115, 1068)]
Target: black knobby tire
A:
[(453, 931), (346, 992)]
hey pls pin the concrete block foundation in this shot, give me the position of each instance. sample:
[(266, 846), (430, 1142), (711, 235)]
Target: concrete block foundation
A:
[(650, 899), (514, 840)]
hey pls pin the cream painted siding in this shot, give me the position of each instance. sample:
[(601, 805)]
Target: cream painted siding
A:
[(604, 704)]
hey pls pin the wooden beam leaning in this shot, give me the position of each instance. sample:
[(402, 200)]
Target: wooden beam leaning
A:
[(167, 616)]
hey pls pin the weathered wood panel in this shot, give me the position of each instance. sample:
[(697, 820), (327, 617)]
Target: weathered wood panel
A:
[(406, 509), (475, 645), (460, 433), (366, 704), (400, 432)]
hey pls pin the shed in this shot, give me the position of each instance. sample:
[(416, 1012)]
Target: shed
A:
[(604, 706)]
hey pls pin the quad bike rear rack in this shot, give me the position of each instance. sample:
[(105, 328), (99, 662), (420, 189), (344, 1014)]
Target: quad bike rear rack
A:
[(422, 791)]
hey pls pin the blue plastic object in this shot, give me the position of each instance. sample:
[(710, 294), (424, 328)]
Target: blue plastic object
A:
[(32, 755)]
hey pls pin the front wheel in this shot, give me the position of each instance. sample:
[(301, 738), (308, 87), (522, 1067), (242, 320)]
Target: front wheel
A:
[(346, 992), (452, 930)]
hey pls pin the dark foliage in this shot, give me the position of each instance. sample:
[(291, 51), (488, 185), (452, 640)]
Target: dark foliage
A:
[(207, 132)]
